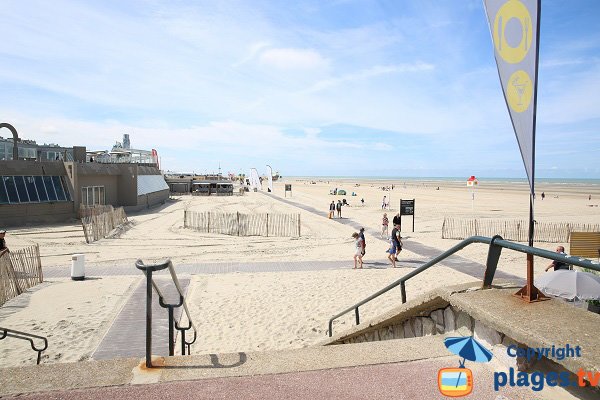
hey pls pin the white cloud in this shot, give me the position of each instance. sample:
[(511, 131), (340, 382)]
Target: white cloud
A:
[(289, 58)]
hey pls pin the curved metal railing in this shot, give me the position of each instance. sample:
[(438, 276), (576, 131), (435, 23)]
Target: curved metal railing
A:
[(496, 244), (5, 332), (150, 284)]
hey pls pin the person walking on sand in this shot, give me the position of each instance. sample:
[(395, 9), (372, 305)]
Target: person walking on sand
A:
[(338, 207), (383, 203), (361, 234), (331, 209), (384, 226), (397, 238), (396, 220), (358, 250), (391, 252)]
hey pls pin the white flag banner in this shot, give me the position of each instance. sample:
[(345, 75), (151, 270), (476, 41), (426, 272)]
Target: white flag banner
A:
[(270, 177), (254, 179), (514, 25)]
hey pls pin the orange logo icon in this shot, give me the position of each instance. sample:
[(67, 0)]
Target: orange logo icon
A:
[(455, 382)]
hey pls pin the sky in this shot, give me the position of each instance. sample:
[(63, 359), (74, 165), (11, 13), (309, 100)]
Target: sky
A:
[(313, 88)]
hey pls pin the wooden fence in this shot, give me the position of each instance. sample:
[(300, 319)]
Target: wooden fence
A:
[(98, 222), (516, 230), (237, 224), (19, 270)]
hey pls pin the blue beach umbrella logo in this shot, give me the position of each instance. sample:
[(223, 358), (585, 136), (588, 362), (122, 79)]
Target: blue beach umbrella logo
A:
[(458, 382)]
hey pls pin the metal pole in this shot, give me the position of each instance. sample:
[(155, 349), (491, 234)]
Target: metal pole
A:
[(357, 316), (414, 206), (171, 335), (149, 318)]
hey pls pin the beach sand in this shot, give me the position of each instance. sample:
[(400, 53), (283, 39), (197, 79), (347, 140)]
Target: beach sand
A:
[(270, 310)]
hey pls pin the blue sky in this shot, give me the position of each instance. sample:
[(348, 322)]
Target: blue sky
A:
[(352, 88)]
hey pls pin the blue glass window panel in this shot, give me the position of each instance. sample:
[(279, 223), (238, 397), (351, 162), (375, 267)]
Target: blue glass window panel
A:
[(21, 189), (50, 188), (60, 193), (39, 184), (30, 184), (66, 188), (11, 189), (3, 194)]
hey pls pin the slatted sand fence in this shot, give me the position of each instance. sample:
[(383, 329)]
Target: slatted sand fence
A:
[(19, 270), (98, 222), (240, 224), (516, 230)]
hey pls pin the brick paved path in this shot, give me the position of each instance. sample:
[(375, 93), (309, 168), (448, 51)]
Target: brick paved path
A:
[(127, 335)]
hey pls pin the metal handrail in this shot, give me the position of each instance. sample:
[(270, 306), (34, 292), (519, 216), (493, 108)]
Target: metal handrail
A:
[(5, 332), (496, 244), (150, 284)]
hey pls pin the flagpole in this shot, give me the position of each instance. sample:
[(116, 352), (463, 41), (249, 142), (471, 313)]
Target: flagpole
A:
[(529, 292)]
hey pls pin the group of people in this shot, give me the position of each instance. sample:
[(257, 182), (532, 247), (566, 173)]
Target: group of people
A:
[(395, 242), (360, 245), (333, 207)]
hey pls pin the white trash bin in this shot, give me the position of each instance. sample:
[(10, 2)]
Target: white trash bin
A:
[(78, 267)]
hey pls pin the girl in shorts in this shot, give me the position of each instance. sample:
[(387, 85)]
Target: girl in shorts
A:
[(392, 252), (358, 254)]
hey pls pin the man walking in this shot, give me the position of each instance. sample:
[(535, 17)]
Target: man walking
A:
[(361, 234), (397, 238), (338, 207), (331, 209)]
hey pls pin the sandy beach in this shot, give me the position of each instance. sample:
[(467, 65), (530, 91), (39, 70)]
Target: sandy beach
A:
[(270, 310)]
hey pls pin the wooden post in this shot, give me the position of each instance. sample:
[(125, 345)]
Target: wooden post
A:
[(298, 224), (238, 223), (208, 213), (39, 263), (267, 224)]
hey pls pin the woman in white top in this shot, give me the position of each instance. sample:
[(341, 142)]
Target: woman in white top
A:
[(359, 245)]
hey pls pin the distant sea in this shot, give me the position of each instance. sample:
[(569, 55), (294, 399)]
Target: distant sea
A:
[(554, 181)]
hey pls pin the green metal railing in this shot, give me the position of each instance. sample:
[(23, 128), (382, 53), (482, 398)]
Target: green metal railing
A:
[(496, 244)]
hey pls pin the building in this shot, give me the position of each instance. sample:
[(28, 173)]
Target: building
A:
[(42, 189), (30, 150), (202, 185)]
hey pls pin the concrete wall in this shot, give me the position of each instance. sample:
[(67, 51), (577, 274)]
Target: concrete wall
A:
[(35, 213), (149, 200)]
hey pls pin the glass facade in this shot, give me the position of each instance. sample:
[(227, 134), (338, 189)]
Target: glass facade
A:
[(33, 189)]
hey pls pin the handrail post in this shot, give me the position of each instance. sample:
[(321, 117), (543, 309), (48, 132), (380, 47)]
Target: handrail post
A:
[(403, 291), (171, 335), (357, 316), (492, 262), (183, 342), (149, 318)]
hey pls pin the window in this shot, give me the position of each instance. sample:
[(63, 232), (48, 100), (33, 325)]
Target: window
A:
[(49, 188), (3, 194), (60, 193), (11, 189), (30, 184), (93, 195), (39, 184), (33, 189), (21, 189), (65, 186)]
